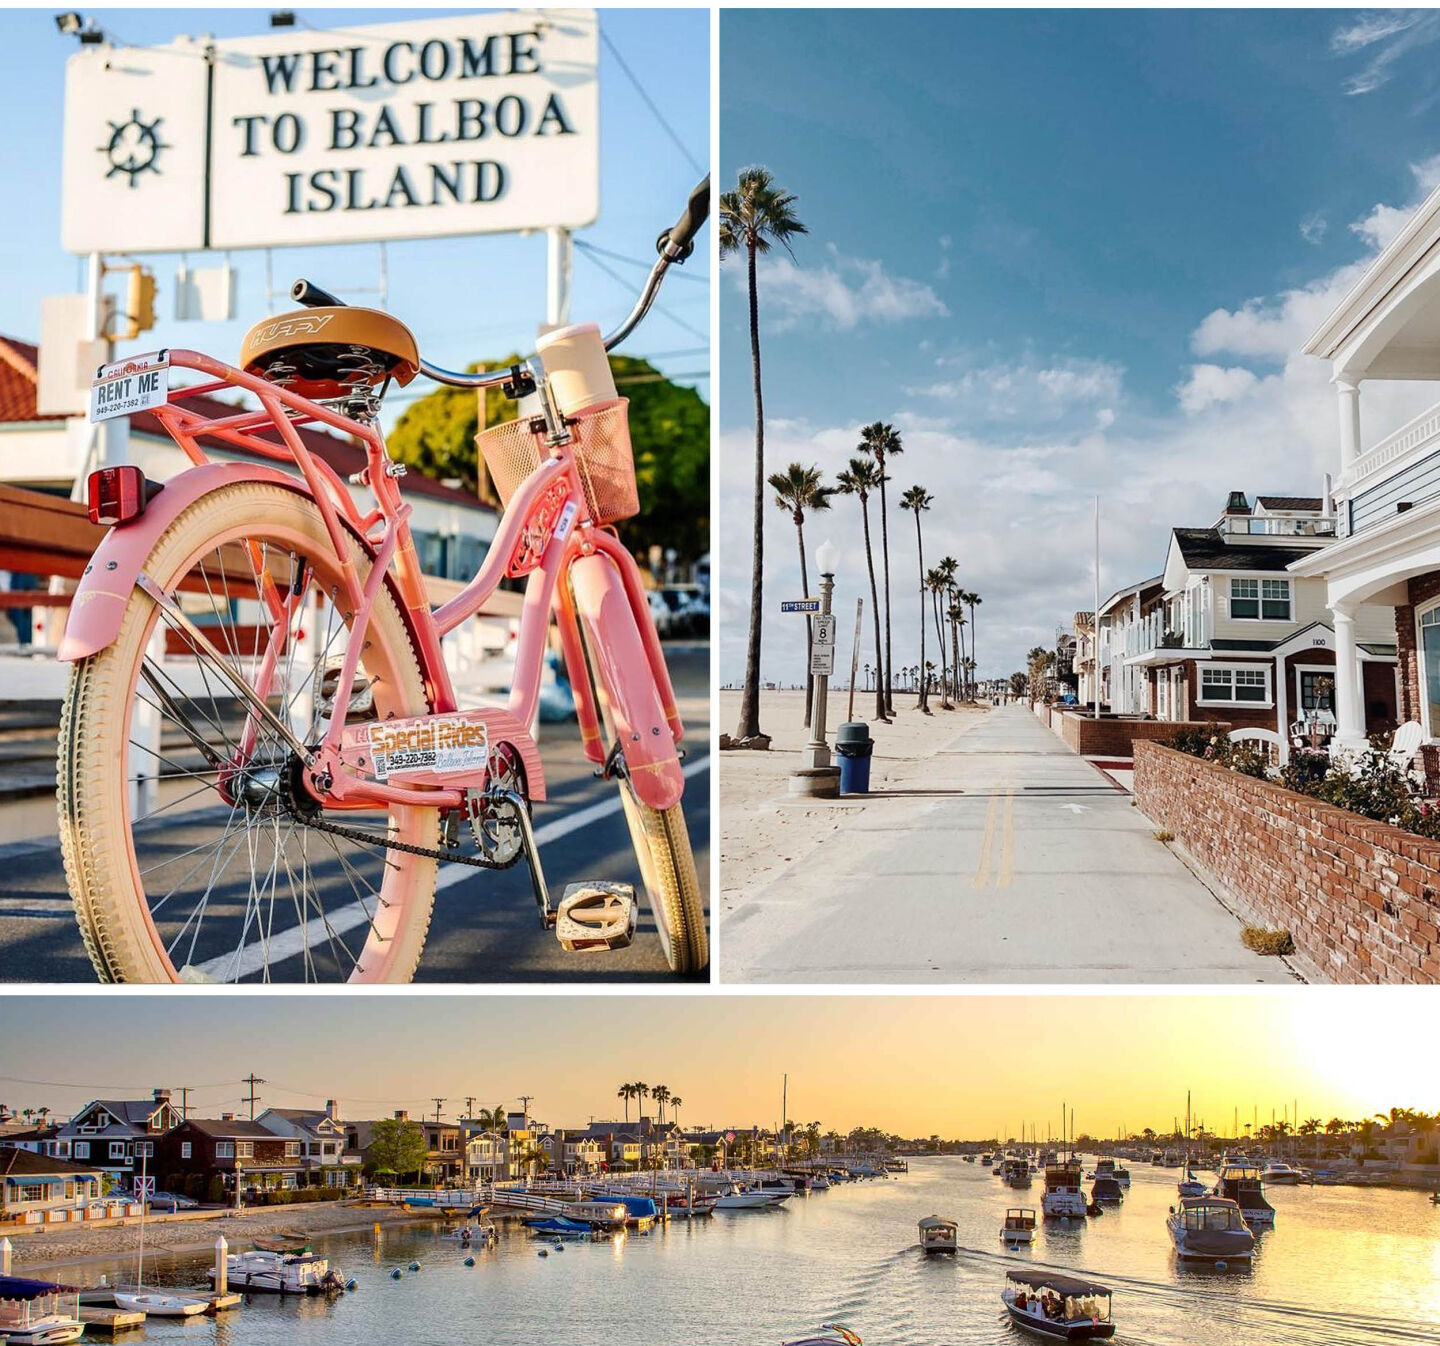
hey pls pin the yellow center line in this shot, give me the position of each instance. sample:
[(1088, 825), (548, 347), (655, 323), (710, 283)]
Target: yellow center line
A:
[(1007, 840), (982, 870)]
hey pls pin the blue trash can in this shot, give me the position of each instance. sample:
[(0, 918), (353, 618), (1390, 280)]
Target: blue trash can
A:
[(854, 747)]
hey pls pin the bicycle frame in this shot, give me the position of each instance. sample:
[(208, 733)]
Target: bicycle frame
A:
[(546, 530)]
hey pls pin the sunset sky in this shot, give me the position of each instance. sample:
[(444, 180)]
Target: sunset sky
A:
[(959, 1066)]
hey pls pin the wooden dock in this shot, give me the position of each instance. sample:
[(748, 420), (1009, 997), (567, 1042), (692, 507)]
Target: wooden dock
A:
[(109, 1320)]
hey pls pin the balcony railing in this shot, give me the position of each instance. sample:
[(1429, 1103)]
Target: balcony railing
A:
[(1422, 432)]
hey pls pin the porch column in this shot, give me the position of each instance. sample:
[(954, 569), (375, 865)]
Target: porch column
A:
[(1282, 708), (1348, 388), (1349, 725)]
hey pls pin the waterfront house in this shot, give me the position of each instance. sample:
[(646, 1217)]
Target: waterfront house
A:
[(1237, 637), (1125, 623), (36, 1139), (445, 1158), (41, 1189), (326, 1162), (572, 1152), (487, 1156), (1387, 492), (203, 1157), (118, 1134)]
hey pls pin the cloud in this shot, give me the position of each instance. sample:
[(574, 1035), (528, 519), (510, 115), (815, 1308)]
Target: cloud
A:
[(1024, 389), (1312, 227), (1209, 384), (844, 293), (942, 272), (1383, 222), (1384, 37)]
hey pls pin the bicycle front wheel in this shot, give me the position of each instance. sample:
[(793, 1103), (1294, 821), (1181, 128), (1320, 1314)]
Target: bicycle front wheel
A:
[(191, 851)]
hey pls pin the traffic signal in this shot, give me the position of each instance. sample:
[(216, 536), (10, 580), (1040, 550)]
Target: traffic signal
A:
[(140, 305)]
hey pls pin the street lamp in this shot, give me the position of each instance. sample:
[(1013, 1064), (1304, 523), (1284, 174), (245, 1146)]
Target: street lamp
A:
[(817, 776)]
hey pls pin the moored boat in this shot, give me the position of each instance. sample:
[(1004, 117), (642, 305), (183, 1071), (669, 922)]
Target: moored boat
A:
[(1017, 1172), (1210, 1229), (1064, 1308), (38, 1313), (558, 1226), (1063, 1197), (291, 1241), (599, 1214), (280, 1273), (1019, 1227), (938, 1235), (157, 1304), (1277, 1171), (1240, 1181), (1106, 1191)]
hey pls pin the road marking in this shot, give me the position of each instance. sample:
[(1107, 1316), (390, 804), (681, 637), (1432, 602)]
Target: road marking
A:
[(1075, 808), (289, 943), (982, 869), (1007, 844)]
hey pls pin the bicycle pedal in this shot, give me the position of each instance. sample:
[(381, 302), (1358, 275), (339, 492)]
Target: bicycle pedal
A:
[(596, 916)]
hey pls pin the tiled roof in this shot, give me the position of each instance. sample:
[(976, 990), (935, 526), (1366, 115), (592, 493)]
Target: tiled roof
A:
[(217, 1126), (25, 1163), (1205, 549), (133, 1111), (1296, 503), (18, 380)]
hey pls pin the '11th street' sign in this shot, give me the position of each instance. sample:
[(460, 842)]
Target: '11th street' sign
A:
[(800, 605), (457, 125)]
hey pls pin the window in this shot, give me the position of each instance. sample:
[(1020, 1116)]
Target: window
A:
[(292, 1149), (145, 1148), (224, 1149), (1234, 684), (32, 1191), (1316, 689), (245, 1149), (1275, 600), (1244, 599), (81, 1149), (117, 1149), (187, 1149)]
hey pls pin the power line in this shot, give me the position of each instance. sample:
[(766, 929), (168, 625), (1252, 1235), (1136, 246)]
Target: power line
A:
[(639, 261), (649, 102), (659, 308), (252, 1080)]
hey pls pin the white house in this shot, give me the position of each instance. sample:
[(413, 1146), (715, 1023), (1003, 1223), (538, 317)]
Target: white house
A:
[(1387, 491), (38, 1188), (321, 1136)]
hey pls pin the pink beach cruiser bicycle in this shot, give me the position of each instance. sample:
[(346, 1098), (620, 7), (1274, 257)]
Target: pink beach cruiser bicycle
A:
[(261, 758)]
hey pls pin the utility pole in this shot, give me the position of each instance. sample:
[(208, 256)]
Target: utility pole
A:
[(438, 1102), (525, 1107), (470, 1105), (252, 1080), (184, 1103)]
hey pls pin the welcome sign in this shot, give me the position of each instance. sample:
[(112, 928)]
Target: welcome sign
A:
[(463, 124)]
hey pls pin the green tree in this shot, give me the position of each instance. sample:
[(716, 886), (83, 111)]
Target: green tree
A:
[(661, 1094), (398, 1146), (753, 217), (971, 600), (917, 500), (881, 441), (859, 479), (669, 435), (627, 1092), (797, 489)]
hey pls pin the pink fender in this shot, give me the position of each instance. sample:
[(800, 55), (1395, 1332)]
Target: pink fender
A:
[(99, 603), (623, 668)]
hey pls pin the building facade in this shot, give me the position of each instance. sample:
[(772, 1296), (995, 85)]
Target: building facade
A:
[(119, 1135)]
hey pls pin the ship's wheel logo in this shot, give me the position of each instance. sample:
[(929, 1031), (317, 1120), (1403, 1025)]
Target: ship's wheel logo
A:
[(134, 147)]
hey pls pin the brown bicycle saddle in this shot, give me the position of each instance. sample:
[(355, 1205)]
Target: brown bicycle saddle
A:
[(324, 353)]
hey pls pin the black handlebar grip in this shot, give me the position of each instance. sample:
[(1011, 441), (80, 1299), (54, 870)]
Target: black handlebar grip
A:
[(312, 296), (681, 238)]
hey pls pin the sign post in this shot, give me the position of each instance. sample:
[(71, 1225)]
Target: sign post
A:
[(822, 665)]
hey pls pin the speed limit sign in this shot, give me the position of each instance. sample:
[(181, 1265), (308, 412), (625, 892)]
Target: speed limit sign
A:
[(825, 629)]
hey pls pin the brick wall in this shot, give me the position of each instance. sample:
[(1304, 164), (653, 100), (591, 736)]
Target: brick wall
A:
[(1113, 735), (1424, 589), (1361, 899)]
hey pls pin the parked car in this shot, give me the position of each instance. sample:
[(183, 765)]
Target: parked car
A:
[(172, 1201), (662, 612)]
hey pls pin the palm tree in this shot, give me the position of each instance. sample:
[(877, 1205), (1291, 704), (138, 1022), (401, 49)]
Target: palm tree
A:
[(642, 1092), (859, 479), (917, 500), (972, 601), (947, 568), (796, 490), (676, 1102), (661, 1095), (935, 582), (956, 613), (753, 217), (881, 441), (627, 1092)]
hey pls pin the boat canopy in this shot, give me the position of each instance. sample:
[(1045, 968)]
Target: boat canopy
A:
[(1061, 1285), (18, 1287), (935, 1222)]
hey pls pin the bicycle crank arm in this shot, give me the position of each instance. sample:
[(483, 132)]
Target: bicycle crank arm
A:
[(532, 854), (202, 645)]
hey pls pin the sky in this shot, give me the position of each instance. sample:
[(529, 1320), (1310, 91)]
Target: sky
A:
[(1065, 254), (492, 298), (957, 1066)]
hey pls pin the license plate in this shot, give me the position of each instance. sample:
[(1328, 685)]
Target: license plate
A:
[(128, 386)]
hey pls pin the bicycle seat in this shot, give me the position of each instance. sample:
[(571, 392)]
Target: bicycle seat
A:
[(324, 353)]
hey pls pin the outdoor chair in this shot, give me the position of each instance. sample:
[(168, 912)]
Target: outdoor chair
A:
[(1274, 743)]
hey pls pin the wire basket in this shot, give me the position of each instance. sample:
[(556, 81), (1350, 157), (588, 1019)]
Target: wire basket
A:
[(600, 448)]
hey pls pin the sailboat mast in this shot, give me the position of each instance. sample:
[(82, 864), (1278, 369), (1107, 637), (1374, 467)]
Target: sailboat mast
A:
[(144, 1187)]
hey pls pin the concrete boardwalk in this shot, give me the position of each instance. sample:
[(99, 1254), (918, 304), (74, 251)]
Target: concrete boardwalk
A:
[(1006, 858)]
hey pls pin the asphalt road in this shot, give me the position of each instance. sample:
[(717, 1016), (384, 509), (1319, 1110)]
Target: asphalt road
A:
[(1005, 859), (484, 928)]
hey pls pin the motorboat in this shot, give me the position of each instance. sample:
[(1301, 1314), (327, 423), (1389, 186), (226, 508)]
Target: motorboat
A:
[(1019, 1227), (969, 1158), (1278, 1172), (558, 1226), (283, 1241), (688, 1205), (38, 1313), (986, 1160), (1063, 1197), (1240, 1181), (834, 1335), (1122, 1175), (157, 1304), (736, 1199), (1017, 1173), (279, 1273), (939, 1236), (599, 1214), (1104, 1168), (1210, 1229), (1190, 1185), (1105, 1191), (1063, 1308)]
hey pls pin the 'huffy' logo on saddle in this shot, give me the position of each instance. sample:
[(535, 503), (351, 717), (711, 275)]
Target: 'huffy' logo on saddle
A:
[(307, 325)]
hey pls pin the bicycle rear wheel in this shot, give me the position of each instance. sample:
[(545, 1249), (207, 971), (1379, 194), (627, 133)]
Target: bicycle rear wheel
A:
[(200, 857)]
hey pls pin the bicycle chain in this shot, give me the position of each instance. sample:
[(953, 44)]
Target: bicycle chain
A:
[(455, 857)]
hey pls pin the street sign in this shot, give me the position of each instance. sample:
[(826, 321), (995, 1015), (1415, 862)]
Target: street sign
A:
[(822, 660), (800, 605), (825, 629), (464, 124)]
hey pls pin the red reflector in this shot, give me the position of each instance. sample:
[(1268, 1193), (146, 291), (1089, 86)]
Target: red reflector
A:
[(116, 495)]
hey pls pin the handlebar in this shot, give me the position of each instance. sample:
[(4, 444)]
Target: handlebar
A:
[(673, 246)]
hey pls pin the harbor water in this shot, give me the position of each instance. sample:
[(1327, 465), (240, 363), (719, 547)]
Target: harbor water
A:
[(1342, 1265)]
